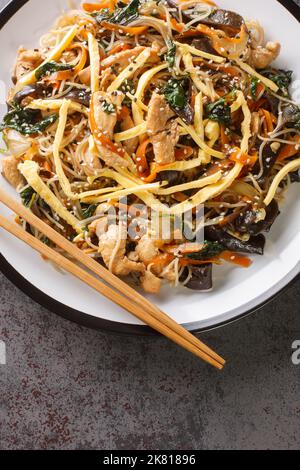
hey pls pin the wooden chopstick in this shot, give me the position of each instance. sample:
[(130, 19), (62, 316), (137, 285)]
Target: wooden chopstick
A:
[(144, 305), (106, 291)]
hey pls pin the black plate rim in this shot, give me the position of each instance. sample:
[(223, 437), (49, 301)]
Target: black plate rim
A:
[(85, 319)]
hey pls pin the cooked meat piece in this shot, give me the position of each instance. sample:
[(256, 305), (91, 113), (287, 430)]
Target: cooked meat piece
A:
[(255, 123), (27, 60), (159, 113), (150, 283), (106, 106), (107, 77), (99, 227), (11, 173), (146, 249), (112, 247), (89, 160), (164, 144), (169, 273), (110, 158), (85, 76), (121, 59), (69, 56), (157, 46), (131, 144), (262, 57)]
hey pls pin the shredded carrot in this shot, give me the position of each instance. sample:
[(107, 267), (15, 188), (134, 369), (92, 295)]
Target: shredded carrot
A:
[(183, 153), (112, 5), (289, 150), (90, 7), (141, 158), (180, 197), (179, 27), (209, 2), (152, 177), (195, 262), (238, 156), (133, 30), (119, 48), (223, 45), (221, 165), (232, 71), (185, 248), (233, 258), (256, 105), (60, 76), (269, 120), (81, 64), (46, 166), (231, 217), (124, 113), (161, 261), (260, 88)]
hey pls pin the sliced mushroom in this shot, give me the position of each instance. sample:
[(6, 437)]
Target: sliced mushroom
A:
[(295, 176), (291, 114), (226, 20), (172, 177), (203, 44), (255, 245), (201, 279), (269, 158), (36, 90), (249, 221), (80, 96)]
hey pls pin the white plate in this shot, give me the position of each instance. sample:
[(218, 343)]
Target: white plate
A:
[(236, 291)]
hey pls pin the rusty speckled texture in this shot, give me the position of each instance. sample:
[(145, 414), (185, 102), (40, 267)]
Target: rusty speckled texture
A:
[(67, 387)]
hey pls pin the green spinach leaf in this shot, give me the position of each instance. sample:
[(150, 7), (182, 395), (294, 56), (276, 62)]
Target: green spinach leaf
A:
[(175, 93), (209, 250), (127, 87), (219, 111), (28, 196), (123, 14), (282, 78), (26, 121), (253, 86), (109, 108), (89, 211), (171, 54), (49, 68)]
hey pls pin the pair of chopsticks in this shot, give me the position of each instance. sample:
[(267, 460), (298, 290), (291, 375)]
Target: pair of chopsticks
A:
[(115, 289)]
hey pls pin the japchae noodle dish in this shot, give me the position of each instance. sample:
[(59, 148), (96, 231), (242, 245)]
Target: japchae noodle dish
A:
[(168, 110)]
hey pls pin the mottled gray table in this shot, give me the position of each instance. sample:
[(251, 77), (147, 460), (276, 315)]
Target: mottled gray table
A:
[(67, 387)]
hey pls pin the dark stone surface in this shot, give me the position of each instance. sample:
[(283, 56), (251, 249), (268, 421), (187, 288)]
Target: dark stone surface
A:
[(66, 387)]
